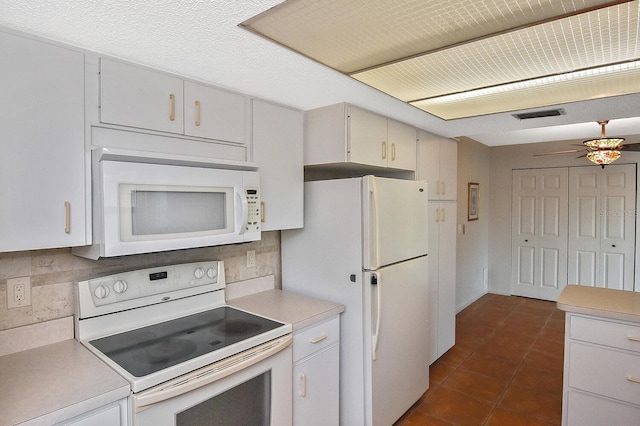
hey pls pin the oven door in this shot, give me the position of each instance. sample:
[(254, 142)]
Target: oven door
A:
[(250, 388)]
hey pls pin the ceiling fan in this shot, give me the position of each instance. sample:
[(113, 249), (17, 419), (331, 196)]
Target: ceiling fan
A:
[(601, 151)]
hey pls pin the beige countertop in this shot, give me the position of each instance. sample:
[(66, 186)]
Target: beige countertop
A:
[(601, 302), (300, 311), (56, 382)]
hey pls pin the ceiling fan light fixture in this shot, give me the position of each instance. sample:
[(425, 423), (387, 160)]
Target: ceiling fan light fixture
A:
[(604, 143), (603, 158)]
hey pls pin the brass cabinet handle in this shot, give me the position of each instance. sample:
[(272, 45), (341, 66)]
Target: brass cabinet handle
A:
[(318, 339), (384, 150), (263, 212), (303, 385), (443, 215), (172, 113), (67, 220), (393, 152), (197, 113)]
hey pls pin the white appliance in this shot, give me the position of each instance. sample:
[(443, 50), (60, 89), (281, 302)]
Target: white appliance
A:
[(145, 203), (190, 358), (364, 244)]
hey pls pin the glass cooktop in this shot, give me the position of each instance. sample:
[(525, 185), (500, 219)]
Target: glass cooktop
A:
[(153, 348)]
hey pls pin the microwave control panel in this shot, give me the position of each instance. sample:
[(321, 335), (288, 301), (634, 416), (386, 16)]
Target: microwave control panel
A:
[(253, 201)]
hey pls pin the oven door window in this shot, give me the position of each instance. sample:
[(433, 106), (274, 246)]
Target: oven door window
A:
[(150, 212), (245, 404)]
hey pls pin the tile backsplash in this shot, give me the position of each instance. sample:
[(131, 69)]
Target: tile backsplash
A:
[(53, 272)]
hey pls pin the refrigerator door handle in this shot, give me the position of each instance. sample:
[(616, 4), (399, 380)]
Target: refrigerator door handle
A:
[(375, 231), (376, 333)]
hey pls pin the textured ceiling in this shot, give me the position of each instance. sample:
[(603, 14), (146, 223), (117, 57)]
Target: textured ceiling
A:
[(422, 52), (202, 40)]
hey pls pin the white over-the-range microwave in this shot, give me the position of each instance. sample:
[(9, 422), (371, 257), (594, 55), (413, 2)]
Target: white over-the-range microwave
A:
[(148, 204)]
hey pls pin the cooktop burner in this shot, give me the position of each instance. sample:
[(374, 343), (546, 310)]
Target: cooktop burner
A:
[(153, 348)]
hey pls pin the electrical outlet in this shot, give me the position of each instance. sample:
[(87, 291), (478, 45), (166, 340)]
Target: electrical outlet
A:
[(18, 292), (251, 258)]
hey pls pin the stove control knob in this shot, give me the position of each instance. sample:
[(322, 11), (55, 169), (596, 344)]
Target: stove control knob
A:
[(120, 286), (101, 292), (212, 272), (198, 273)]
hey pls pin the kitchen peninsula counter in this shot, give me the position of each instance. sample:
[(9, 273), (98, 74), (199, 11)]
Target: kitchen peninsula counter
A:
[(601, 376), (55, 383), (300, 311), (601, 302)]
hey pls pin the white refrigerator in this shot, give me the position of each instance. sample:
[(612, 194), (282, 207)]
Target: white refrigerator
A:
[(364, 245)]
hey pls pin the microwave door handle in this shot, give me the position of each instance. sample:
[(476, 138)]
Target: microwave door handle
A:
[(244, 212)]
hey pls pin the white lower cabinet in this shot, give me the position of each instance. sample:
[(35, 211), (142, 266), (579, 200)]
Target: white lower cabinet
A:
[(316, 366), (602, 372), (114, 414)]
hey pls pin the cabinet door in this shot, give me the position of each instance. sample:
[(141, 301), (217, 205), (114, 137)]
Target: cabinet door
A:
[(42, 162), (367, 142), (437, 163), (442, 278), (401, 145), (316, 388), (446, 277), (449, 169), (137, 97), (214, 114), (277, 149), (428, 162)]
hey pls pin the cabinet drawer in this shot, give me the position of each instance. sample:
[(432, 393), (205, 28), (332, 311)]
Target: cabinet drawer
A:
[(615, 334), (605, 371), (586, 410), (315, 338)]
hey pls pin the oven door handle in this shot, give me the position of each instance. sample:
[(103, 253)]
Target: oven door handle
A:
[(209, 374)]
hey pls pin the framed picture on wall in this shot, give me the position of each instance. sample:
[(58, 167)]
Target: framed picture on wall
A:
[(474, 201)]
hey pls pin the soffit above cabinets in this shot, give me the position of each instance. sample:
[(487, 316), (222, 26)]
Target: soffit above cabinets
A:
[(464, 58)]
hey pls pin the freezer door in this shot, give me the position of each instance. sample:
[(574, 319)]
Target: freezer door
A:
[(398, 339), (395, 220)]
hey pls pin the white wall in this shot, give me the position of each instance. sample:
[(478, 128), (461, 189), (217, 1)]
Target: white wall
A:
[(472, 246)]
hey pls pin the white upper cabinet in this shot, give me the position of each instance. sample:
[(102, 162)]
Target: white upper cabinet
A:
[(277, 134), (137, 97), (42, 166), (437, 164), (401, 145), (147, 99), (214, 114), (345, 134)]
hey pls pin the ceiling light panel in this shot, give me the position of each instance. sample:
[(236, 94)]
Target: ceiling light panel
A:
[(579, 42), (354, 35), (551, 91)]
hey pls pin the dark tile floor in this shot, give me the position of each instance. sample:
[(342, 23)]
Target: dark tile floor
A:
[(505, 368)]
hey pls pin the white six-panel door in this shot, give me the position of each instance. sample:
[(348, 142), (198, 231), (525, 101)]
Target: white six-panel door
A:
[(539, 232), (602, 226)]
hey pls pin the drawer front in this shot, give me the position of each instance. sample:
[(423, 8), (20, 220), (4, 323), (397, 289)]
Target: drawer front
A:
[(605, 371), (315, 338), (589, 410), (609, 333)]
